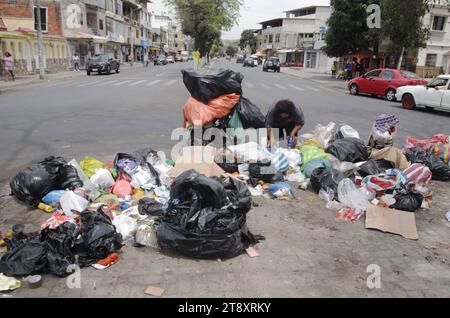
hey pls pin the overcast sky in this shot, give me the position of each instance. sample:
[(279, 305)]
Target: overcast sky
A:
[(254, 11)]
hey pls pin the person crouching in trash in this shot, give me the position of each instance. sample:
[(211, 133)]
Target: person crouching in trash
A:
[(288, 118)]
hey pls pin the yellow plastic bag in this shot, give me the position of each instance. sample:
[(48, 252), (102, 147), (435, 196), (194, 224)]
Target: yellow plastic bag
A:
[(90, 165)]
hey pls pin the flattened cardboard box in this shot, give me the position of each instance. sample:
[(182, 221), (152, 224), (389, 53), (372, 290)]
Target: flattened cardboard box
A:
[(200, 159), (392, 221)]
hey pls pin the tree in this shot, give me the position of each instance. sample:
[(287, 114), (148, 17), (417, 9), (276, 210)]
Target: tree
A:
[(347, 28), (204, 20), (402, 25), (231, 50), (248, 38)]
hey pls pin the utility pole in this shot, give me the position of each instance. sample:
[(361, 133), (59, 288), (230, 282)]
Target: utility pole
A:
[(39, 40)]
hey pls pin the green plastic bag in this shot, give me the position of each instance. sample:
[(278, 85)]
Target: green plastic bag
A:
[(311, 152), (238, 129), (90, 165)]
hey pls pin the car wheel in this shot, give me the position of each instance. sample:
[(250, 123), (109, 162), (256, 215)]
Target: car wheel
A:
[(390, 95), (408, 101), (117, 70), (108, 70), (88, 73), (354, 89)]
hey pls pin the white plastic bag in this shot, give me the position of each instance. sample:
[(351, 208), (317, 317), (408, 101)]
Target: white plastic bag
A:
[(71, 202), (125, 225), (323, 134), (146, 236), (92, 189), (143, 178), (351, 196), (103, 179), (347, 131), (294, 157)]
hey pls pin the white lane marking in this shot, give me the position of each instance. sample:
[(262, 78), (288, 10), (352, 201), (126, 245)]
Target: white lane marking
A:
[(153, 82), (328, 89), (296, 87), (311, 88), (106, 83), (171, 82), (280, 87), (87, 84), (264, 85), (121, 83), (138, 82)]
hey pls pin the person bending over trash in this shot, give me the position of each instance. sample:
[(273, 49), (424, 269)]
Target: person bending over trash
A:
[(285, 116)]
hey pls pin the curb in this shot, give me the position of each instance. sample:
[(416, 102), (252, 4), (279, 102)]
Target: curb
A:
[(313, 80)]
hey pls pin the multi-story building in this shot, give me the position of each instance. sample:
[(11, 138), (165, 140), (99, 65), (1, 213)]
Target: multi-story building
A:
[(298, 38), (18, 26), (84, 26), (435, 58), (160, 31)]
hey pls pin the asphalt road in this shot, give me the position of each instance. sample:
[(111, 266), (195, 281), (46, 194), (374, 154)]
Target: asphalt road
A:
[(140, 107)]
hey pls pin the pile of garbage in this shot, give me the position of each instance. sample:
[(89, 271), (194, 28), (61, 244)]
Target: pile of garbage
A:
[(137, 199), (353, 177)]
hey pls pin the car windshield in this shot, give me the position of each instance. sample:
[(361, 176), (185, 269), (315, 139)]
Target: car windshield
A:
[(98, 58), (273, 59), (409, 75), (439, 81)]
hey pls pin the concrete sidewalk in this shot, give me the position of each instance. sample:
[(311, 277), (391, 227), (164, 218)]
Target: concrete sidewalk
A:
[(317, 77), (24, 80)]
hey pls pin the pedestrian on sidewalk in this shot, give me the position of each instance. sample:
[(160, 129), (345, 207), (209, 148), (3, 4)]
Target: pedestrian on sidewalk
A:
[(76, 62), (348, 69), (287, 118), (333, 69), (8, 64)]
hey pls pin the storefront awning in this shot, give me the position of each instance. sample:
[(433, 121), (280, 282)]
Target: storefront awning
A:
[(87, 36)]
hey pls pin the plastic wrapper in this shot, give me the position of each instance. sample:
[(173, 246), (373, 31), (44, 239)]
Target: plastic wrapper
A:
[(73, 204), (204, 87), (103, 179), (353, 197), (323, 134), (280, 190), (345, 131), (309, 153), (125, 226), (52, 198), (90, 165), (315, 164), (349, 150)]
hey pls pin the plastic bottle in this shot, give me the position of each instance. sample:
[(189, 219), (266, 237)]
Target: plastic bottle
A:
[(45, 208), (290, 143)]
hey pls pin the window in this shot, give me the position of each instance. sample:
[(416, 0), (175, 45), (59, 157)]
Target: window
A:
[(270, 38), (431, 60), (375, 73), (388, 75), (137, 33), (438, 82), (44, 21), (409, 75), (277, 38), (439, 23), (100, 24)]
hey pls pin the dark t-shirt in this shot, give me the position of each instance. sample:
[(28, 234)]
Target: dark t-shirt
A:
[(273, 120)]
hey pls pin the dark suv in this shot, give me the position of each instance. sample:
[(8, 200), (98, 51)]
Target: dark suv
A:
[(272, 63), (102, 63)]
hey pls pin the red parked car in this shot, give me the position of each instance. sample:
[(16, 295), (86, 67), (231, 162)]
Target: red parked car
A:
[(383, 82)]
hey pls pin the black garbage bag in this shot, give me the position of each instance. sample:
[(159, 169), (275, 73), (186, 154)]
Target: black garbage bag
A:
[(349, 150), (250, 114), (60, 245), (204, 87), (407, 201), (149, 206), (229, 165), (98, 238), (140, 157), (264, 171), (374, 167), (206, 218), (25, 259), (327, 179), (31, 184), (439, 169)]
